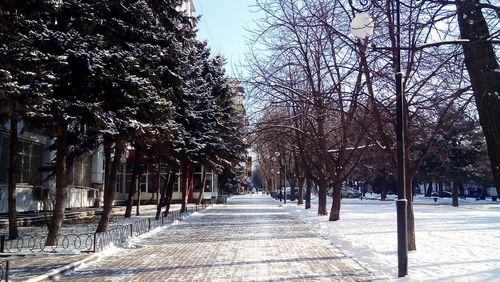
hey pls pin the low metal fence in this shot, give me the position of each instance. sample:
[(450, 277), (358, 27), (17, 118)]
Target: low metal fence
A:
[(90, 241)]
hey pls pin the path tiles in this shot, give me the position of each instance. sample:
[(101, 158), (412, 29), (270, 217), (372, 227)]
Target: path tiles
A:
[(251, 238)]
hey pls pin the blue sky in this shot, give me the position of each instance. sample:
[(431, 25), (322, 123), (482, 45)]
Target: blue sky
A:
[(222, 24)]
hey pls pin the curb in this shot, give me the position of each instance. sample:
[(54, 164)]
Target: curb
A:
[(56, 273)]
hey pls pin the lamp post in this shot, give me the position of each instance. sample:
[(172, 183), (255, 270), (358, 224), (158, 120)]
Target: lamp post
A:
[(282, 176), (282, 194), (271, 188), (283, 167), (279, 185), (362, 28)]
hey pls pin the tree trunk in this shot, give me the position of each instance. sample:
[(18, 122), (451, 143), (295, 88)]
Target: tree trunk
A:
[(300, 197), (335, 211), (482, 65), (322, 197), (133, 184), (269, 186), (111, 170), (454, 189), (158, 182), (190, 184), (428, 191), (184, 185), (161, 199), (61, 185), (170, 188), (309, 185), (13, 231), (202, 188), (139, 191)]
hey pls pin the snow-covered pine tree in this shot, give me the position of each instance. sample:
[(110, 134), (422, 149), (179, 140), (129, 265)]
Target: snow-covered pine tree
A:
[(114, 69), (25, 78), (212, 138)]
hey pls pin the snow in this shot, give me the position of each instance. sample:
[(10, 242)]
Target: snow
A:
[(133, 242), (99, 256), (453, 243)]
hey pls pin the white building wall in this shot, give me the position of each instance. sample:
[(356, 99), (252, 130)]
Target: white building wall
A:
[(98, 166), (188, 7), (78, 198), (24, 199)]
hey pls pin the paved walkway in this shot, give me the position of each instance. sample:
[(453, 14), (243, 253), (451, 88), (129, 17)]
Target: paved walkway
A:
[(249, 239), (26, 265)]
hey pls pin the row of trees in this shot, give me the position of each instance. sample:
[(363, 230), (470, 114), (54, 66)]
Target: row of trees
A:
[(327, 101), (112, 74)]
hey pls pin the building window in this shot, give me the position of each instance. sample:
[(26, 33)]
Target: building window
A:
[(143, 182), (197, 182), (29, 159), (120, 180), (208, 181), (128, 178), (80, 174)]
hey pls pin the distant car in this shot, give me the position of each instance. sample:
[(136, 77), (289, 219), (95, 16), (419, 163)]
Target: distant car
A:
[(442, 194), (475, 193), (346, 192), (289, 195), (447, 194)]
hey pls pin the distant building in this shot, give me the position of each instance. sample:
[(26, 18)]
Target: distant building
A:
[(149, 182), (238, 103), (188, 7)]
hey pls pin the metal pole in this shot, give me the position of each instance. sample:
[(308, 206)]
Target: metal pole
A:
[(7, 271), (284, 182), (279, 185), (401, 203)]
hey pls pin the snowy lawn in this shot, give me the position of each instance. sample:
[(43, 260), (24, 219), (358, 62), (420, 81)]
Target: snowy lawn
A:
[(453, 243)]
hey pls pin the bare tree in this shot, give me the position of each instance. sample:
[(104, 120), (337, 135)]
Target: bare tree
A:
[(309, 67), (436, 90), (305, 60), (482, 65)]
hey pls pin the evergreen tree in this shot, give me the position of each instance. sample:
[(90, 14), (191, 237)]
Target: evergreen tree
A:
[(214, 142), (22, 77)]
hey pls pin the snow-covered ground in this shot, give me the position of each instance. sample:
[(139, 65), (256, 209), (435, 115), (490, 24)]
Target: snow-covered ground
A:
[(453, 243)]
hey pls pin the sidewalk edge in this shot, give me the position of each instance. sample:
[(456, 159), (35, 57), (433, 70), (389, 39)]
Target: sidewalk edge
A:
[(57, 272)]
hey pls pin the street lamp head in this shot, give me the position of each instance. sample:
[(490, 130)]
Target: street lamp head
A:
[(362, 26)]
